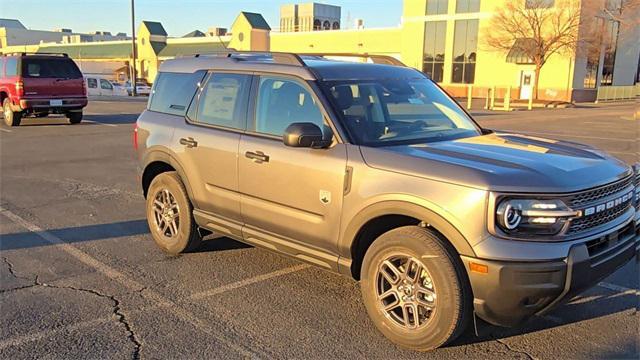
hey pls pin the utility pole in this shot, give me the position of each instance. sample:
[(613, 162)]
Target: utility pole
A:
[(132, 76)]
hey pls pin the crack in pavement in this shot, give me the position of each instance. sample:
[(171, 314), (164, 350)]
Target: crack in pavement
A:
[(117, 311), (506, 345)]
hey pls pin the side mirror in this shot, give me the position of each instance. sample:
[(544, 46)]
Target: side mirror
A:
[(305, 135)]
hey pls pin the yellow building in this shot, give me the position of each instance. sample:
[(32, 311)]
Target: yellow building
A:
[(443, 38)]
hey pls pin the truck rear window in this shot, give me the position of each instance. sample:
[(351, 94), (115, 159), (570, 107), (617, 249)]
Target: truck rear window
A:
[(50, 68), (172, 92)]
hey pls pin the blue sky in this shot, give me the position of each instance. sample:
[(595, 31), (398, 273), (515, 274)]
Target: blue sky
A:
[(178, 16)]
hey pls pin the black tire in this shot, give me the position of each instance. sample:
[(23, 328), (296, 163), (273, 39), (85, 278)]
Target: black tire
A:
[(187, 238), (11, 118), (444, 273), (74, 117)]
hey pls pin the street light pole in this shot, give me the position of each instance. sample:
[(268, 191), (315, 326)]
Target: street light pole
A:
[(132, 76)]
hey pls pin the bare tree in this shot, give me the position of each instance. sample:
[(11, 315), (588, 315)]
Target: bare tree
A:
[(538, 29)]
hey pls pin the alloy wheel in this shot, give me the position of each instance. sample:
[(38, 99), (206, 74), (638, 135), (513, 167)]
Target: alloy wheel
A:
[(405, 291), (166, 213)]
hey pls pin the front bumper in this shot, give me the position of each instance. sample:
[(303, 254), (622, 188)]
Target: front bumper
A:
[(511, 292)]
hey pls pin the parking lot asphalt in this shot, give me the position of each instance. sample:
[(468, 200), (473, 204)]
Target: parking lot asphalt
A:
[(80, 276)]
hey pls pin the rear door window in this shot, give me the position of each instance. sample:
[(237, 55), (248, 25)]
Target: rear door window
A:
[(62, 68), (172, 92), (223, 101)]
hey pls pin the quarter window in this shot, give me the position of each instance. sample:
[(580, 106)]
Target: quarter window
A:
[(172, 92), (282, 102), (11, 67), (92, 83), (465, 44), (223, 100)]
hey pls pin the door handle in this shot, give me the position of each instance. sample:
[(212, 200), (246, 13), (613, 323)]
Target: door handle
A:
[(258, 156), (188, 142)]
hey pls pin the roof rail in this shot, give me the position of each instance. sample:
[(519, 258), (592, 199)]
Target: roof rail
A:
[(375, 58), (276, 57), (25, 53)]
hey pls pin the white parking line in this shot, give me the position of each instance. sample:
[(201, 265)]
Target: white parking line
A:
[(47, 334), (99, 123), (242, 283), (127, 282), (5, 130)]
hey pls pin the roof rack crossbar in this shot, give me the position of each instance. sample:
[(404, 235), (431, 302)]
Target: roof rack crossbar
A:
[(277, 57), (375, 58)]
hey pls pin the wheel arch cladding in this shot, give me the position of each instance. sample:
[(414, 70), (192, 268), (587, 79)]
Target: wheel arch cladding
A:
[(158, 162), (379, 218)]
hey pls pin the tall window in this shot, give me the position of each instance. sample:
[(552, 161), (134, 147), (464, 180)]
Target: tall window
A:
[(467, 6), (593, 57), (437, 7), (610, 46), (434, 38), (465, 45)]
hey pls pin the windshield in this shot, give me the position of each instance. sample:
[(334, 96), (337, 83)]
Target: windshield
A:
[(393, 112)]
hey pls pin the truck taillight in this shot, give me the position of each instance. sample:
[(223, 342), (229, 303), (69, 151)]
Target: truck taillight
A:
[(20, 88), (135, 136), (84, 87)]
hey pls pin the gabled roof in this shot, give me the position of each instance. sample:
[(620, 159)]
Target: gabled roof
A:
[(194, 33), (155, 28), (256, 20), (157, 46)]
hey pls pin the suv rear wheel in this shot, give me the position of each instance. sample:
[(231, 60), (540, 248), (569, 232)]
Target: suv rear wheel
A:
[(414, 290), (74, 117), (169, 214), (11, 118)]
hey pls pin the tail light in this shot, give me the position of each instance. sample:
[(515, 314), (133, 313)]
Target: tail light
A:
[(84, 87), (20, 88), (135, 136)]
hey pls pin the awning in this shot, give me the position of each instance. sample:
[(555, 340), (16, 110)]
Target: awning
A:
[(520, 50)]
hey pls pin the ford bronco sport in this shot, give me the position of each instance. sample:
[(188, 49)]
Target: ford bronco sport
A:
[(39, 84), (372, 171)]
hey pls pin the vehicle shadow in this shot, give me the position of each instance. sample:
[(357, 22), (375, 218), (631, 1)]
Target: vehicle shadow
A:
[(114, 119), (88, 120), (587, 306), (79, 234)]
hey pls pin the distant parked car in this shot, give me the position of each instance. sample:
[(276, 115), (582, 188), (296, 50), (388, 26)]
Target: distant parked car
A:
[(98, 85), (141, 88), (40, 84)]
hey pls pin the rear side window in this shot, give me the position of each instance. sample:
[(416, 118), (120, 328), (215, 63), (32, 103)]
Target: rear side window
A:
[(104, 84), (63, 68), (92, 83), (11, 67), (223, 101), (172, 92)]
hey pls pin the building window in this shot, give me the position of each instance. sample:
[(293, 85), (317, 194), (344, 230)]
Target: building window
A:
[(434, 39), (539, 4), (326, 25), (593, 57), (465, 45), (336, 25), (610, 46), (317, 24), (467, 6), (591, 77), (437, 7)]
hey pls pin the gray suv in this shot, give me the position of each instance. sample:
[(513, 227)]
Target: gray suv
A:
[(369, 169)]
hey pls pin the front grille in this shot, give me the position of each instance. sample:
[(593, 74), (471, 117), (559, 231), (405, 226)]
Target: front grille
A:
[(586, 197), (586, 223)]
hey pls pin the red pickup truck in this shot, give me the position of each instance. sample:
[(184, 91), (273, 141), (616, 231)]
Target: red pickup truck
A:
[(40, 84)]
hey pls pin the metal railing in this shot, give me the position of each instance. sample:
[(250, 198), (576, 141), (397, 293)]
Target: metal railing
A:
[(616, 93)]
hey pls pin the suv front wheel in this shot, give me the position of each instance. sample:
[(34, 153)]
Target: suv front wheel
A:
[(414, 289), (11, 118), (169, 214)]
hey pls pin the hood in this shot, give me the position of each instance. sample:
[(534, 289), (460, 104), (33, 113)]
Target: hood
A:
[(503, 162)]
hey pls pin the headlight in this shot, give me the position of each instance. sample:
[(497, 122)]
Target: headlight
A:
[(532, 216)]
